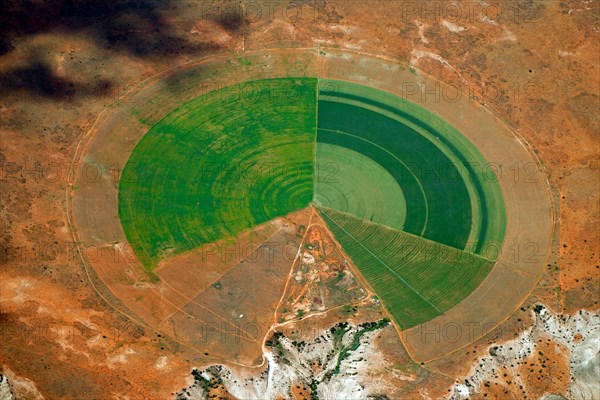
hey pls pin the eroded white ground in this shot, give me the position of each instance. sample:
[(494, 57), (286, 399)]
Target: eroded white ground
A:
[(330, 364), (578, 333)]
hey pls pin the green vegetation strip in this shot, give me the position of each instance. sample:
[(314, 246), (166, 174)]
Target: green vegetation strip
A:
[(415, 278), (218, 165), (338, 333)]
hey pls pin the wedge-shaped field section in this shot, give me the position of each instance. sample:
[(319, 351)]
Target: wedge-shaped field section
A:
[(218, 165), (430, 180), (416, 279)]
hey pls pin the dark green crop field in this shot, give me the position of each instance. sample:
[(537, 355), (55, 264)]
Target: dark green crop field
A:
[(448, 200)]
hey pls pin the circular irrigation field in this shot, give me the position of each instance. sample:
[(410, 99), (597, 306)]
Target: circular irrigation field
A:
[(417, 193)]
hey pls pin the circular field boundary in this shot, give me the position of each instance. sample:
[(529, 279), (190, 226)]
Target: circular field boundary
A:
[(101, 154)]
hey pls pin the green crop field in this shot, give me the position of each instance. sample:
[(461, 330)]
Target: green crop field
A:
[(416, 279), (449, 197), (218, 165), (351, 182), (407, 196)]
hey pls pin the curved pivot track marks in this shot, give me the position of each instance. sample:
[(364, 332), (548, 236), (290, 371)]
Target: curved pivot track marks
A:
[(208, 262), (218, 165), (528, 238), (448, 195), (411, 204), (421, 226)]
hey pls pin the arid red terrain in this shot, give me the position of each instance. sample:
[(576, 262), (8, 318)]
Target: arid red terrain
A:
[(65, 65)]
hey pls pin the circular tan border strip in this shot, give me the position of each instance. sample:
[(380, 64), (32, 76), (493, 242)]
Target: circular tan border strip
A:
[(103, 151)]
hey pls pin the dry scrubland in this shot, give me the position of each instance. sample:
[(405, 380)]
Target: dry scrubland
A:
[(536, 69)]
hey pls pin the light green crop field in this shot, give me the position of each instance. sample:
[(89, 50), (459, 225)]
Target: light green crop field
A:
[(416, 279), (348, 181), (219, 165)]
